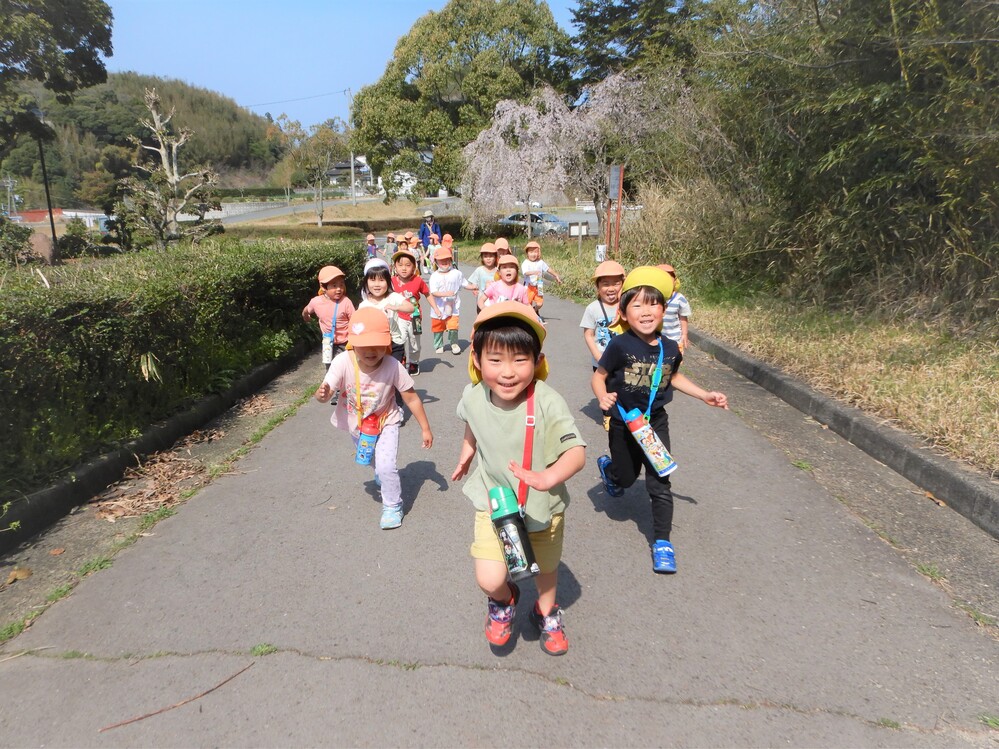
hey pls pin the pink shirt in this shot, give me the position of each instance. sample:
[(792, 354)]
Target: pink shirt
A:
[(322, 307), (498, 291), (377, 391)]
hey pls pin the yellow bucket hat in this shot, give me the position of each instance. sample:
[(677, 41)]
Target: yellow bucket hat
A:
[(518, 311), (644, 275)]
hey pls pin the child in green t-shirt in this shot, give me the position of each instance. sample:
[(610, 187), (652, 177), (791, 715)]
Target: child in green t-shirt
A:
[(507, 370)]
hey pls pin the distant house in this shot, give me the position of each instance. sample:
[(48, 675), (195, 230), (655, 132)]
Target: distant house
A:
[(339, 174)]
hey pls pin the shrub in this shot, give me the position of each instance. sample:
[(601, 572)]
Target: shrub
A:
[(78, 241), (15, 245)]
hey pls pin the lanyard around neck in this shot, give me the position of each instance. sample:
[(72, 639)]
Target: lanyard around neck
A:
[(357, 387)]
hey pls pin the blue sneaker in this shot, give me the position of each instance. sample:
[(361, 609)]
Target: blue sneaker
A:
[(603, 462), (391, 517), (663, 558)]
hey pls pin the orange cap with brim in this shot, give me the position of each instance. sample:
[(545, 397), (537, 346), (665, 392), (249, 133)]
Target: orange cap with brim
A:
[(609, 269), (507, 260), (370, 238), (532, 245), (517, 311), (369, 326), (442, 253), (447, 239), (403, 253), (328, 272), (666, 268), (501, 243), (488, 248)]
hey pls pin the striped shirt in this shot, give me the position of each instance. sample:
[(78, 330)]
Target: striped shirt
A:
[(676, 307)]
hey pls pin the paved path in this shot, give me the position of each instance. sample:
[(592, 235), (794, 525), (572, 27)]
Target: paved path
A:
[(789, 621)]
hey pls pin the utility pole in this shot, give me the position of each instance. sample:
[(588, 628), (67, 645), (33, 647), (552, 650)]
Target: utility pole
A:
[(9, 183), (353, 192)]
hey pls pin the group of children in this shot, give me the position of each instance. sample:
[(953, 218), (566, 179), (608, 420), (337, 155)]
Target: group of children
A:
[(425, 255), (520, 430)]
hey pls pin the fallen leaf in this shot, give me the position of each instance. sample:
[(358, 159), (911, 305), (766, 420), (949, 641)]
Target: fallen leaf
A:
[(18, 573), (929, 495)]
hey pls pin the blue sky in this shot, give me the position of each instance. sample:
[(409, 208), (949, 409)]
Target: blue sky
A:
[(291, 56)]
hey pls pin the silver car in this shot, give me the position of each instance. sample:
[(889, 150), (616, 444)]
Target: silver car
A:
[(542, 224)]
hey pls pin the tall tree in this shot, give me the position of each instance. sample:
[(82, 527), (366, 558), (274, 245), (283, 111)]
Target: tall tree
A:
[(156, 203), (315, 152), (444, 80), (616, 35), (57, 42)]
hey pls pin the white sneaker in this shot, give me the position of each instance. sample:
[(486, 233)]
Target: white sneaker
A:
[(455, 348), (439, 350)]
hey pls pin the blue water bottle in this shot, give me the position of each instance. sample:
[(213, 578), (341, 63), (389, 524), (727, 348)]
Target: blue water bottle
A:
[(370, 429)]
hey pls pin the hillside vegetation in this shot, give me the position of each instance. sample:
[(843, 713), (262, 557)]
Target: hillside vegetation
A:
[(92, 146)]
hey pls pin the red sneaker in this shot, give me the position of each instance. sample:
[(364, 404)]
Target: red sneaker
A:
[(500, 618), (553, 639)]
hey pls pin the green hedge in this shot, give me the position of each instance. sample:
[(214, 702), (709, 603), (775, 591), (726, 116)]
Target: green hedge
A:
[(292, 231), (72, 356), (250, 192)]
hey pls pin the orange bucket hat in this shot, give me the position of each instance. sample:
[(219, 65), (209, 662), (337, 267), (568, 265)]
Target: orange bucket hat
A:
[(369, 326), (517, 311)]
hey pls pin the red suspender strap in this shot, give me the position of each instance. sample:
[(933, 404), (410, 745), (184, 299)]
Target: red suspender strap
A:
[(528, 447)]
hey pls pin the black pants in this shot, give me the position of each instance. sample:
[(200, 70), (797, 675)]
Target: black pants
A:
[(627, 459)]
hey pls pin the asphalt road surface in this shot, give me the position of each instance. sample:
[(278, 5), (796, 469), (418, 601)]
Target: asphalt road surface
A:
[(789, 622)]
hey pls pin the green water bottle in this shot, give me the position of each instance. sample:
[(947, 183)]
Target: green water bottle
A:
[(512, 533), (416, 317)]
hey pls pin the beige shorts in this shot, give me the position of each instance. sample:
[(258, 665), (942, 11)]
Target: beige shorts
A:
[(547, 543)]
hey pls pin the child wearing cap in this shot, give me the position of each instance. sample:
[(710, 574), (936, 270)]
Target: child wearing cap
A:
[(377, 292), (368, 380), (390, 245), (600, 314), (371, 247), (534, 270), (502, 248), (506, 288), (425, 260), (431, 248), (677, 312), (445, 283), (411, 286), (333, 310), (639, 370), (485, 274), (448, 241), (531, 457)]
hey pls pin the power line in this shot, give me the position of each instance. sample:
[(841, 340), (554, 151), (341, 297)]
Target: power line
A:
[(301, 98)]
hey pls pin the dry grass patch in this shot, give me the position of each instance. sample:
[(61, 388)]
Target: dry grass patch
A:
[(922, 380)]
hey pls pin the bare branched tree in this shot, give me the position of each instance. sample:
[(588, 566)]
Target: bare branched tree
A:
[(156, 202)]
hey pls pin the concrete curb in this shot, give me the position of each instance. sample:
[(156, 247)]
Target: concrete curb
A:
[(41, 509), (972, 494)]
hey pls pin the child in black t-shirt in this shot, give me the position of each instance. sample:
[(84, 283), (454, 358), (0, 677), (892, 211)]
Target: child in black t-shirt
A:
[(638, 369)]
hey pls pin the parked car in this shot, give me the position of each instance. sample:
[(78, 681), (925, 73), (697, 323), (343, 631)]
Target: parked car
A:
[(542, 224)]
